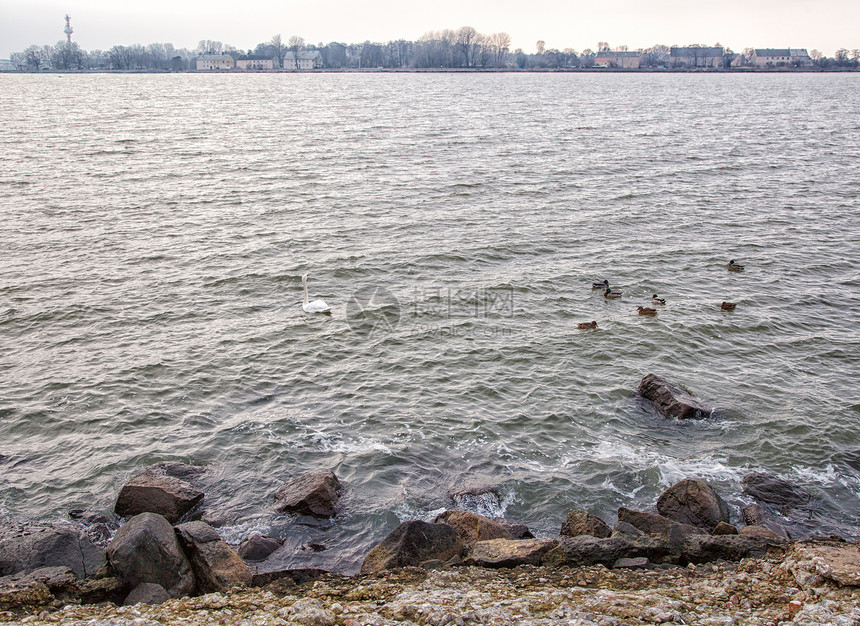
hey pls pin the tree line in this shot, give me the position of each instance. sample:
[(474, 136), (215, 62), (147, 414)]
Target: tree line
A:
[(461, 48)]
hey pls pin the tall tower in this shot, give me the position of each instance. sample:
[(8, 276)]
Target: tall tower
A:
[(68, 29)]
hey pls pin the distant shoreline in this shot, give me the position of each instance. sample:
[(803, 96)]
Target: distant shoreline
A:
[(570, 70)]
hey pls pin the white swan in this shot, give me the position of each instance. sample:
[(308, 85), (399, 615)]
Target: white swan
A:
[(317, 306)]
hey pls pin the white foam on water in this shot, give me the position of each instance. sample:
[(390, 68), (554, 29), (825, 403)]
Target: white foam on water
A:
[(235, 534)]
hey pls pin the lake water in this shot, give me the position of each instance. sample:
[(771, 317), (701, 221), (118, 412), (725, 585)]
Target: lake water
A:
[(155, 228)]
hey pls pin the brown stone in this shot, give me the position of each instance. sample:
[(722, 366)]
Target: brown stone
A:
[(671, 398), (216, 565), (582, 523), (412, 543), (314, 493), (693, 502), (473, 527), (724, 528), (509, 552), (154, 491)]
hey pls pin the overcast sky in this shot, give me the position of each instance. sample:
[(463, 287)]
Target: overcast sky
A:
[(738, 24)]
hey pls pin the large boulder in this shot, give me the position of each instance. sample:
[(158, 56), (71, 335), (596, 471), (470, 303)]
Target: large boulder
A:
[(654, 524), (774, 490), (582, 523), (412, 543), (41, 587), (509, 552), (693, 502), (216, 565), (812, 562), (146, 550), (154, 490), (25, 547), (314, 493), (518, 531), (473, 527), (671, 398), (146, 593)]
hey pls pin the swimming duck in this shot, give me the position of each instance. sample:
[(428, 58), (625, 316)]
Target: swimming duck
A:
[(611, 294), (657, 300), (644, 310), (735, 267), (584, 325), (603, 285), (728, 306)]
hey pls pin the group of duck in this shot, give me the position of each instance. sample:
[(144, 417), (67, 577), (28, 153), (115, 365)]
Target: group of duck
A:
[(608, 293)]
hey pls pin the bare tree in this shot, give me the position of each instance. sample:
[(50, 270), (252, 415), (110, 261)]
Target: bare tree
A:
[(498, 45), (602, 46), (278, 49), (816, 56), (207, 46), (540, 46), (467, 39), (622, 48), (841, 56), (296, 44), (34, 57)]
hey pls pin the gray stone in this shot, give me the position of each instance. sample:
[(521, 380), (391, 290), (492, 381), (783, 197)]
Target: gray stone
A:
[(638, 562), (760, 531), (473, 527), (623, 528), (412, 543), (693, 502), (757, 515), (774, 490), (257, 547), (314, 493), (705, 548), (29, 546), (147, 593), (509, 552), (216, 565), (146, 550), (582, 523), (518, 531), (672, 399)]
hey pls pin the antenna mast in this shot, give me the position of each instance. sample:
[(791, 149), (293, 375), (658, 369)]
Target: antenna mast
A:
[(68, 29)]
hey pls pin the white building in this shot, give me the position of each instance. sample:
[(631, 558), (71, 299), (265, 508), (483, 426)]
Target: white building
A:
[(307, 60), (256, 62), (215, 62), (780, 57)]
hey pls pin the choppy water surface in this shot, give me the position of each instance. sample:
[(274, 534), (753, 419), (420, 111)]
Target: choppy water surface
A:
[(155, 228)]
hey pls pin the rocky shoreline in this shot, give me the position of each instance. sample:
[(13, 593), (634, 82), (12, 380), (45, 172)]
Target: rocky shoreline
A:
[(684, 563)]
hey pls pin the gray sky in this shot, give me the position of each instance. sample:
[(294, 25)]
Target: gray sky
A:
[(578, 24)]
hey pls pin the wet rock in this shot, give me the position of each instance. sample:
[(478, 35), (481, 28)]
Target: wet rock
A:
[(518, 531), (18, 592), (97, 526), (759, 531), (582, 523), (147, 593), (774, 490), (29, 546), (509, 552), (257, 547), (724, 528), (693, 502), (97, 590), (216, 565), (146, 550), (757, 515), (653, 524), (314, 493), (155, 491), (412, 543), (671, 399), (296, 576), (473, 527)]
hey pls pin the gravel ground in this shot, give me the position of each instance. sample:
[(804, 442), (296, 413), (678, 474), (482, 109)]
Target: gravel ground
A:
[(764, 591)]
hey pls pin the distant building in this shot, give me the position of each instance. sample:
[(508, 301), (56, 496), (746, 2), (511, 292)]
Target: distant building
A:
[(215, 62), (780, 57), (621, 58), (307, 60), (696, 56), (256, 62)]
